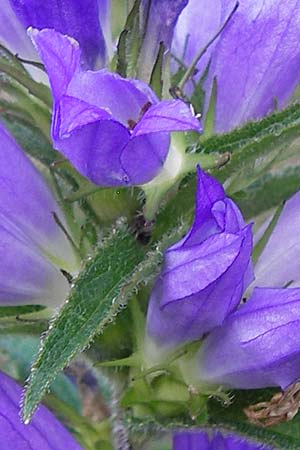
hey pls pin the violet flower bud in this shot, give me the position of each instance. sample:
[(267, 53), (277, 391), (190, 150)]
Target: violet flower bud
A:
[(79, 19), (205, 274), (33, 248), (257, 346), (113, 130), (279, 263), (45, 432), (200, 440), (255, 61)]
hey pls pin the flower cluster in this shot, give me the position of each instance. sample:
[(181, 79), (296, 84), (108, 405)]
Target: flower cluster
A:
[(138, 110)]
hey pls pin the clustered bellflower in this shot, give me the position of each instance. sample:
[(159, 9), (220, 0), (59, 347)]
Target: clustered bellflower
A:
[(252, 345), (113, 130), (200, 440), (45, 432), (116, 132), (205, 274)]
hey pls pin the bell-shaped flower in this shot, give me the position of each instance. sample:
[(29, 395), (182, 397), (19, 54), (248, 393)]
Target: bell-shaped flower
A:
[(201, 440), (254, 61), (279, 263), (113, 130), (257, 346), (205, 274), (79, 19), (45, 432), (33, 248)]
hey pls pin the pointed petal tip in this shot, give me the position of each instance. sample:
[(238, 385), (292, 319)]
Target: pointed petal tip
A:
[(209, 186)]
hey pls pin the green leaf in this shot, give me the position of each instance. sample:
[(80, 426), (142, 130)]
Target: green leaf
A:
[(211, 112), (254, 150), (7, 311), (129, 43), (19, 351), (273, 124), (30, 139), (101, 290), (268, 191), (98, 294), (8, 57), (259, 247), (11, 67), (156, 81)]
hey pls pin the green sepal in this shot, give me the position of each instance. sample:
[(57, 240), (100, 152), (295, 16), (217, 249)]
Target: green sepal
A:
[(128, 46)]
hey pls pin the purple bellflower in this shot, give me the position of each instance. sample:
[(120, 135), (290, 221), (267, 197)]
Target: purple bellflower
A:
[(205, 274), (256, 346), (113, 130), (45, 432), (32, 246), (200, 289), (200, 440), (81, 19), (254, 61)]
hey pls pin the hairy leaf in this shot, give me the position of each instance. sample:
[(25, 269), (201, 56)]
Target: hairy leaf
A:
[(97, 295)]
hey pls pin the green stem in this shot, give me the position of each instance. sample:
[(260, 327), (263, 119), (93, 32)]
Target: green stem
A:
[(206, 161)]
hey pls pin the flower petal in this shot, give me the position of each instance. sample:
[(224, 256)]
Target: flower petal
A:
[(95, 151), (197, 25), (27, 202), (60, 56), (26, 276), (198, 295), (150, 152), (264, 337), (12, 33), (78, 19), (255, 62), (200, 440), (187, 440), (45, 432), (205, 273), (167, 115)]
